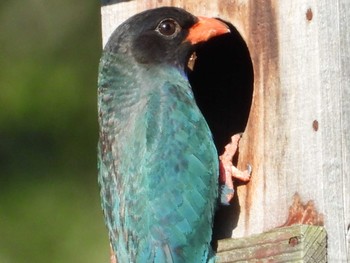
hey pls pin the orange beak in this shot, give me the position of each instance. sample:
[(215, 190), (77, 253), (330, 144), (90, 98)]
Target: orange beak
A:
[(205, 29)]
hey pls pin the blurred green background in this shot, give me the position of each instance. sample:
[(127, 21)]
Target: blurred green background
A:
[(49, 200)]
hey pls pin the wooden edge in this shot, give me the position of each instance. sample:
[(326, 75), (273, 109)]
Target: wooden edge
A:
[(113, 15), (297, 243)]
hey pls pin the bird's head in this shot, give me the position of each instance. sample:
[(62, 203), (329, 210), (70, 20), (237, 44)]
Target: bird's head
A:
[(163, 35)]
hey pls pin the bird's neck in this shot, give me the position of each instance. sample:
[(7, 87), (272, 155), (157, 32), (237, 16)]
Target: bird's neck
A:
[(125, 86)]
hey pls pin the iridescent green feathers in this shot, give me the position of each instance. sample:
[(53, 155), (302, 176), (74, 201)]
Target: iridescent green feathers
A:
[(158, 166)]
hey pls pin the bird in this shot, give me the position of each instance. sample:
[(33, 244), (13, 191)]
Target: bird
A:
[(158, 167)]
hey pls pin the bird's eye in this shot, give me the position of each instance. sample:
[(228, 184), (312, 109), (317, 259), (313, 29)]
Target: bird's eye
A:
[(168, 27)]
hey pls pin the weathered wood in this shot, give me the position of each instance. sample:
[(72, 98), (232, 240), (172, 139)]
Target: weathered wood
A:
[(298, 134), (298, 243)]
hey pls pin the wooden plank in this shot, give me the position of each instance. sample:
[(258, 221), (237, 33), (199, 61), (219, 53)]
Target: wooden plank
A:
[(311, 80), (114, 15), (344, 28), (298, 243), (298, 134)]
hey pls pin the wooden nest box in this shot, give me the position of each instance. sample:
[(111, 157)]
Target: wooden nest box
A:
[(297, 137)]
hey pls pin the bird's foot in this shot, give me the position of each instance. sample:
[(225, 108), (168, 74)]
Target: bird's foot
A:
[(229, 173)]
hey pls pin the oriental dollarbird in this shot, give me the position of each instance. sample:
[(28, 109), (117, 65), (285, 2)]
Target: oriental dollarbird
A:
[(158, 165)]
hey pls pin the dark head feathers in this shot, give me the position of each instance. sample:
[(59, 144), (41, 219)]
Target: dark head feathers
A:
[(155, 36)]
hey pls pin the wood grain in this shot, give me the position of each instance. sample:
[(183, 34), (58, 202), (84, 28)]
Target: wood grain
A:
[(298, 243)]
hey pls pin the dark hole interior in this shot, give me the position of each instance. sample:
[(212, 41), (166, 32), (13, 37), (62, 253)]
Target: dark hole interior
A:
[(222, 82)]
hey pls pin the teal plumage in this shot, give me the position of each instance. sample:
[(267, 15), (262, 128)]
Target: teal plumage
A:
[(158, 166)]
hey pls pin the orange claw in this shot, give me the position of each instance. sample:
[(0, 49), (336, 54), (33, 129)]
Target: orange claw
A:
[(228, 172)]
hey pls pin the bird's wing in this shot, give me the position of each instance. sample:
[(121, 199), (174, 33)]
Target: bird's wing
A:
[(160, 182)]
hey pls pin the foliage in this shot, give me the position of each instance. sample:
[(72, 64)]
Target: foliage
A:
[(49, 208)]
